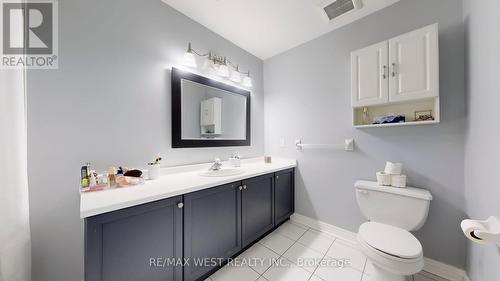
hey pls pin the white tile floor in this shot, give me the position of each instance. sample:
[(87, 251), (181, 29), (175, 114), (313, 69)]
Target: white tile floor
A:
[(281, 255)]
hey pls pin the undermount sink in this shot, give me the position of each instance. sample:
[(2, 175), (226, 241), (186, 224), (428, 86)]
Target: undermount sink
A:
[(222, 173)]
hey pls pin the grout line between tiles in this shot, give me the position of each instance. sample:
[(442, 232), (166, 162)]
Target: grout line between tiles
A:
[(324, 255), (364, 268), (285, 250)]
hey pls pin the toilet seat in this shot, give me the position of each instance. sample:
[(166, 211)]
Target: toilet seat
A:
[(391, 248), (391, 240)]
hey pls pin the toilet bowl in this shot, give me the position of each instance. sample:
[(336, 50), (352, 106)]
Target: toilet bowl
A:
[(385, 239)]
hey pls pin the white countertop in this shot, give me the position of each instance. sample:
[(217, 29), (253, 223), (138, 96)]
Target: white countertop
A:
[(174, 181)]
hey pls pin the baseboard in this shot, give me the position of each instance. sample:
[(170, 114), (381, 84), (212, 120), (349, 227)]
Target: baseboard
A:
[(323, 226), (437, 268), (445, 271)]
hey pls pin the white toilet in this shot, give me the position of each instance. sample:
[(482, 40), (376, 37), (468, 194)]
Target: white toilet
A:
[(385, 239)]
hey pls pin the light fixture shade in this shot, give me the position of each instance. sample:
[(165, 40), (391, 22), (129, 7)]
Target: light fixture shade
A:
[(223, 71), (235, 77), (189, 59), (247, 81), (207, 64)]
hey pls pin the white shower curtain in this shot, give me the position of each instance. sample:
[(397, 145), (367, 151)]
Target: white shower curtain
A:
[(15, 246)]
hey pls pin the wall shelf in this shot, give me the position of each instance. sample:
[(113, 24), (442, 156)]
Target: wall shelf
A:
[(413, 123), (407, 109)]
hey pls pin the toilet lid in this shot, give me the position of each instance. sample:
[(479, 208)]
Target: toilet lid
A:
[(390, 240)]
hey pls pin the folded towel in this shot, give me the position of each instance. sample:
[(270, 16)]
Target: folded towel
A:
[(391, 118)]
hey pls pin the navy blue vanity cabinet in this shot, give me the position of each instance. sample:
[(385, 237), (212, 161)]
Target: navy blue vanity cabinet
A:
[(212, 228), (284, 190), (134, 243), (257, 201)]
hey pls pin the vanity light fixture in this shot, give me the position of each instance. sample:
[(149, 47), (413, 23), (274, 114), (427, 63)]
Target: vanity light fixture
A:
[(220, 64), (247, 81), (189, 59), (236, 76), (223, 69)]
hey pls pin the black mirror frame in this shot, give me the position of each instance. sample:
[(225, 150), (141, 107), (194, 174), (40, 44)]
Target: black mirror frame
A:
[(177, 141)]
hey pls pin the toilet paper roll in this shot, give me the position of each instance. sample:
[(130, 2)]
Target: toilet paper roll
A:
[(393, 168), (398, 180), (470, 226), (383, 178)]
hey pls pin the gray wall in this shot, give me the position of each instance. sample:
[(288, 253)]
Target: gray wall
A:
[(308, 96), (109, 103), (482, 154)]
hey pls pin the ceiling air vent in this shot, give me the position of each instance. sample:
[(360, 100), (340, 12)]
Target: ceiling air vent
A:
[(336, 8)]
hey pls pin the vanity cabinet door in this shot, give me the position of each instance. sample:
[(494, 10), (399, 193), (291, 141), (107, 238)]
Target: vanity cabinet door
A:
[(284, 190), (212, 227), (257, 207), (130, 244)]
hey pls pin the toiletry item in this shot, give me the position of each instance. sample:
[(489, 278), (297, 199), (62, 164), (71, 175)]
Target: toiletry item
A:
[(393, 168), (112, 176), (157, 161), (85, 183), (133, 173), (235, 160), (122, 181), (398, 180), (93, 178), (102, 179), (153, 171), (84, 175), (267, 159), (383, 179), (133, 180), (119, 174), (366, 116), (145, 174)]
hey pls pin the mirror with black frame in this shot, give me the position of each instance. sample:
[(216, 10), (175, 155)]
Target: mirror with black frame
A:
[(208, 113)]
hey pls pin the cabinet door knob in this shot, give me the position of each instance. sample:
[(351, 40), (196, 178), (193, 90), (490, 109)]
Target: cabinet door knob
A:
[(277, 177), (384, 71), (240, 187), (244, 186), (180, 205)]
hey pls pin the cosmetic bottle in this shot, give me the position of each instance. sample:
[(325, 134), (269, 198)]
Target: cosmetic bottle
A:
[(120, 179), (93, 178), (112, 176), (84, 176)]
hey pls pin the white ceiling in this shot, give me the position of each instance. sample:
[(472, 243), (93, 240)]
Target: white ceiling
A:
[(268, 27)]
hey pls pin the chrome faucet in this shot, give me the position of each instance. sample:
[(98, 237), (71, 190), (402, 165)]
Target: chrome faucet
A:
[(216, 165)]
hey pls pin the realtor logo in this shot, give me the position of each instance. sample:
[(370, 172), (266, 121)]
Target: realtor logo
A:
[(29, 34)]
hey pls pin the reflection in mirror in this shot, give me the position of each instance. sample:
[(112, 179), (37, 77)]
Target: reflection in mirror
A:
[(208, 113), (211, 113)]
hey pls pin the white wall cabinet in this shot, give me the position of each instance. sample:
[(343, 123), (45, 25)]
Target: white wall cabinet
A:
[(403, 70)]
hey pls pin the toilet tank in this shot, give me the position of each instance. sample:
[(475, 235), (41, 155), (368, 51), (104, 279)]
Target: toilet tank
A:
[(406, 208)]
